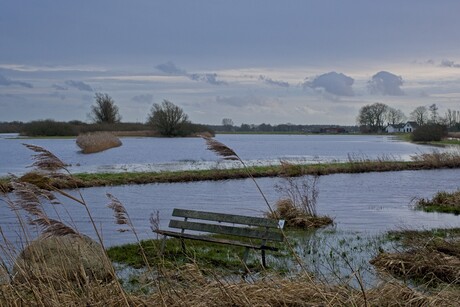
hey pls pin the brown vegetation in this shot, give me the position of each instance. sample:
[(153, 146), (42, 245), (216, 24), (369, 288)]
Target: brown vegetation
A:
[(62, 259), (427, 258), (441, 202), (298, 205), (296, 218), (97, 141)]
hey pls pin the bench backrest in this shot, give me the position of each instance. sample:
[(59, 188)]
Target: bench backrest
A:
[(260, 228)]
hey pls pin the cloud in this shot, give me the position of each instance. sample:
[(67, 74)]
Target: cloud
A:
[(7, 82), (274, 82), (243, 101), (333, 83), (82, 86), (171, 69), (386, 83), (448, 63), (208, 78), (146, 98), (59, 87)]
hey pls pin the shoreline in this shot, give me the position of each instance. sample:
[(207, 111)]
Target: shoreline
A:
[(85, 180)]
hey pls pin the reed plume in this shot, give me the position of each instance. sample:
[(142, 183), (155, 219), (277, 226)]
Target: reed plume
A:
[(122, 218), (119, 212), (227, 153), (52, 227), (44, 159), (221, 149)]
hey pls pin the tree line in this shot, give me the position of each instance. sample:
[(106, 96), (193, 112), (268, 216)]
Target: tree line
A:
[(166, 119), (373, 118)]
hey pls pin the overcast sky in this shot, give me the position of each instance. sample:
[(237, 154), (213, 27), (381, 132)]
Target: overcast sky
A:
[(303, 62)]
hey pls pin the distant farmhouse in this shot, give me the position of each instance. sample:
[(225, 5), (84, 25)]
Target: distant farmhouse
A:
[(407, 127)]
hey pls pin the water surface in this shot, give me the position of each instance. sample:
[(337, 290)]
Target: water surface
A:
[(156, 154)]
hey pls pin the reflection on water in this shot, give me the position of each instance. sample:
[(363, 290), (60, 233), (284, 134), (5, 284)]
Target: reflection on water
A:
[(158, 154)]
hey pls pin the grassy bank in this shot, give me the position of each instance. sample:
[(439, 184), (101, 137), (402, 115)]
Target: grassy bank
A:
[(421, 162), (447, 202)]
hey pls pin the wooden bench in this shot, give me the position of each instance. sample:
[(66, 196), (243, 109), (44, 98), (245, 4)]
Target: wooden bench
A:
[(259, 230)]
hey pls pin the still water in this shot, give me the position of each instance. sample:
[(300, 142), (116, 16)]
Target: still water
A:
[(368, 204), (156, 154)]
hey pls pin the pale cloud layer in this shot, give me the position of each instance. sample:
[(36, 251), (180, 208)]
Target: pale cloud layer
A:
[(333, 83), (386, 83), (266, 61)]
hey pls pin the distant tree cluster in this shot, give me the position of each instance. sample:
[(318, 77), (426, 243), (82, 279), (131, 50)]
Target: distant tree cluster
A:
[(373, 118), (165, 118)]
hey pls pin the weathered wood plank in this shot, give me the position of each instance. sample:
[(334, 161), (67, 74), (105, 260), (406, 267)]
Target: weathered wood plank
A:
[(214, 240), (228, 230), (227, 218)]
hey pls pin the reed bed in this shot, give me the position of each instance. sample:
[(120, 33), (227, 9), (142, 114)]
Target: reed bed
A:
[(447, 202), (97, 141), (426, 258)]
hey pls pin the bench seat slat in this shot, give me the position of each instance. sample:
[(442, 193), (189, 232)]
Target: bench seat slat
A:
[(214, 240), (227, 218), (227, 230)]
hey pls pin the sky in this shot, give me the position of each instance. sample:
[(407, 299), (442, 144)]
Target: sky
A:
[(254, 61)]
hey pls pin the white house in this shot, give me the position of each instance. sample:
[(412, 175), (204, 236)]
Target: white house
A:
[(407, 127), (395, 128), (410, 126)]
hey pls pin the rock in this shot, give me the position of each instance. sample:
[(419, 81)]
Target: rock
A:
[(62, 259)]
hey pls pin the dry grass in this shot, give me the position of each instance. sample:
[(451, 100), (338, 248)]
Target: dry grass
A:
[(297, 218), (97, 141), (298, 205), (426, 259)]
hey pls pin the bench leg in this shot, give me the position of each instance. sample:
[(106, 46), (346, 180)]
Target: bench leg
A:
[(163, 243), (245, 255), (264, 264), (182, 244)]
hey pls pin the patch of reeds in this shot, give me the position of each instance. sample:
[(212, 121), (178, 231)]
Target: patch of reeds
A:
[(298, 203), (427, 258), (447, 202), (297, 218), (97, 142)]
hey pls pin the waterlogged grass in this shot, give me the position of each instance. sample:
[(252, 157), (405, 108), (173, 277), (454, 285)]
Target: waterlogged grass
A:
[(430, 257), (327, 254), (225, 258), (446, 202)]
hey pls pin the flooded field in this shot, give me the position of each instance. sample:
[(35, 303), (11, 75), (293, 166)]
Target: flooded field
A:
[(157, 154)]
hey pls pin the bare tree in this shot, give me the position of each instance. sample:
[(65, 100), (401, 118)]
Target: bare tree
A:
[(167, 118), (228, 122), (434, 113), (450, 118), (394, 116), (104, 110), (372, 116), (419, 115)]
